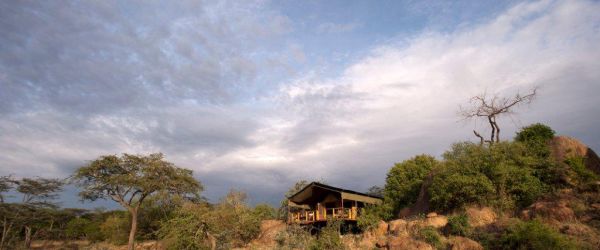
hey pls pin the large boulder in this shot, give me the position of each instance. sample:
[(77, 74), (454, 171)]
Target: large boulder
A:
[(398, 227), (437, 221), (462, 243), (381, 229), (556, 210), (564, 147), (480, 216)]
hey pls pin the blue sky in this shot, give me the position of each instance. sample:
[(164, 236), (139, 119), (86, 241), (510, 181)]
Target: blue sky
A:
[(255, 95)]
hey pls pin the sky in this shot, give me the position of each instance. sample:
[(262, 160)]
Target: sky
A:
[(256, 95)]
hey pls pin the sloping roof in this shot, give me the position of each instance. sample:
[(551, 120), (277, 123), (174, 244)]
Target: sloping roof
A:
[(302, 195)]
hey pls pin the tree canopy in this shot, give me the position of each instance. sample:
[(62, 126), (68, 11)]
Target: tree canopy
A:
[(130, 179)]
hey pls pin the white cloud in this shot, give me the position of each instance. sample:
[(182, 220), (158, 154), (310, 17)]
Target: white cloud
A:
[(402, 99)]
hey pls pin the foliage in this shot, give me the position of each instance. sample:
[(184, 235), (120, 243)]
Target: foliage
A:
[(229, 224), (84, 229), (376, 191), (370, 216), (533, 235), (431, 236), (264, 212), (187, 229), (115, 229), (505, 173), (453, 190), (581, 173), (130, 179), (404, 180), (36, 212), (6, 184), (295, 237), (39, 191), (328, 237), (458, 225), (155, 210), (535, 132)]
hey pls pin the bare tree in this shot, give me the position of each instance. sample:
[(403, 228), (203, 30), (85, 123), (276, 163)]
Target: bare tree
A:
[(490, 107)]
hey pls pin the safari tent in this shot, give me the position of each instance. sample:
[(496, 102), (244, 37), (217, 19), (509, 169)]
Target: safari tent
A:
[(318, 202)]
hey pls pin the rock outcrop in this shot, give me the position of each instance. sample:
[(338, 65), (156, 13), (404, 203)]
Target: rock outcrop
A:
[(480, 216)]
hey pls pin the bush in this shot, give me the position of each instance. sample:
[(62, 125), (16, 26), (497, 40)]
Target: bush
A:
[(535, 132), (264, 212), (458, 225), (404, 180), (505, 174), (295, 237), (451, 190), (229, 224), (581, 173), (82, 228), (328, 237), (533, 235), (116, 229), (371, 215), (431, 236)]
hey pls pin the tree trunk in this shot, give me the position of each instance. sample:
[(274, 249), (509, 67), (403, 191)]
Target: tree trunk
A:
[(134, 215), (493, 129), (27, 237), (5, 230), (497, 130)]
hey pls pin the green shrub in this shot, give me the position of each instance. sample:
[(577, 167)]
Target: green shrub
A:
[(431, 236), (581, 173), (533, 235), (404, 180), (535, 132), (295, 237), (504, 174), (328, 237), (370, 216), (116, 229), (264, 212), (458, 225), (231, 224), (450, 190), (82, 228)]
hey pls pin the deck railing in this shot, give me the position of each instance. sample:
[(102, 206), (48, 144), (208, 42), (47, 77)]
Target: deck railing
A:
[(308, 216)]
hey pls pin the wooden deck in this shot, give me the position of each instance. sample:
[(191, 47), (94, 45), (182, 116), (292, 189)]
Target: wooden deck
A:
[(311, 216)]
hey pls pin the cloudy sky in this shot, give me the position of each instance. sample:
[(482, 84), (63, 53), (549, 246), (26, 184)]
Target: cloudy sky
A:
[(255, 95)]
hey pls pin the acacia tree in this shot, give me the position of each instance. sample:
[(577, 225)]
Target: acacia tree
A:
[(38, 195), (34, 213), (6, 184), (130, 179), (490, 107)]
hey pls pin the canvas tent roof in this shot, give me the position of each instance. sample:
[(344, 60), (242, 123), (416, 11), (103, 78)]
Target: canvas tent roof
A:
[(315, 191)]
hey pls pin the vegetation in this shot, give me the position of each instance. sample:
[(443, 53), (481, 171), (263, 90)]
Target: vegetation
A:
[(458, 225), (532, 235), (404, 180), (228, 224), (535, 132), (431, 236), (370, 216), (162, 201), (505, 174), (329, 237), (130, 179)]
